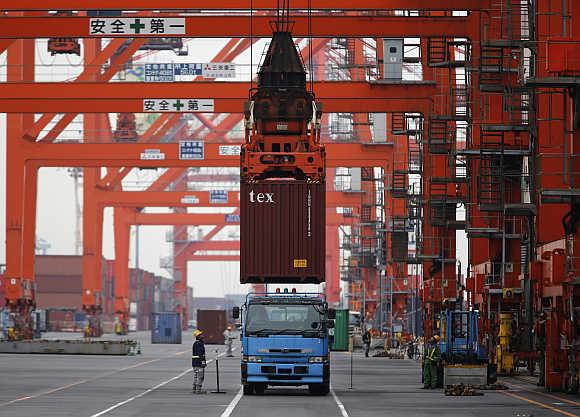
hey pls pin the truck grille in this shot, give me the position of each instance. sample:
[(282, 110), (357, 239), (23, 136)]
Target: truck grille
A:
[(268, 369), (302, 370), (285, 350)]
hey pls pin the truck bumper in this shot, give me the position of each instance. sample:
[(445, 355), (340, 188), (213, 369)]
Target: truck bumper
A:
[(286, 374)]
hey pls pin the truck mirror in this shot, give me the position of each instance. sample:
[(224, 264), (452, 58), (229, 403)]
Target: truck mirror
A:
[(330, 324), (331, 313), (236, 312)]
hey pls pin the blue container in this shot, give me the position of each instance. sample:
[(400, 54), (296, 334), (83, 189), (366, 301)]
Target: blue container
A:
[(80, 317), (166, 328)]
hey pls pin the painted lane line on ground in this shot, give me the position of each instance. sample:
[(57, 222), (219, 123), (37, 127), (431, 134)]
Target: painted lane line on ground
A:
[(232, 405), (549, 407), (339, 403), (84, 381), (544, 394), (161, 384)]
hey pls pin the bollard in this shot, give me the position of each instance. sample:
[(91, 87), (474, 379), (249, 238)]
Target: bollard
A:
[(217, 375)]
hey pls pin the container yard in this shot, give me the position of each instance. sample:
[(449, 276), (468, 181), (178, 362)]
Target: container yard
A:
[(293, 207)]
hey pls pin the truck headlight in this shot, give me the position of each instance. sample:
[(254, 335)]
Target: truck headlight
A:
[(316, 359), (254, 359)]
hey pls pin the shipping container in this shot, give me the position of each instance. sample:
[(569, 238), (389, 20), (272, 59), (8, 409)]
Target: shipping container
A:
[(213, 324), (341, 335), (62, 320), (282, 226), (166, 328)]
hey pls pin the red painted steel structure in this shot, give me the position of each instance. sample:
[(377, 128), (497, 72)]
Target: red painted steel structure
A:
[(499, 141), (53, 134)]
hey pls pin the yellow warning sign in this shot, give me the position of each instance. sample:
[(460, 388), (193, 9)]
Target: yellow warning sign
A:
[(300, 263)]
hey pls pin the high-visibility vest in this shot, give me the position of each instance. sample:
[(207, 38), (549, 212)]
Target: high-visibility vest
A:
[(430, 354)]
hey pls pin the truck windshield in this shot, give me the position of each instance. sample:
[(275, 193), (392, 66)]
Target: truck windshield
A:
[(284, 319)]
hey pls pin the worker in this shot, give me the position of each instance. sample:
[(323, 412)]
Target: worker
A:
[(367, 341), (198, 361), (430, 361), (229, 340), (411, 349), (399, 338)]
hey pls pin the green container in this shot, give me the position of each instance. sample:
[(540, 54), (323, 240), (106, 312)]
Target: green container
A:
[(340, 342)]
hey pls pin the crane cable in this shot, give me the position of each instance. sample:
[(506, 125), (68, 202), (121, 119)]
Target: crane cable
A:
[(251, 44), (310, 58)]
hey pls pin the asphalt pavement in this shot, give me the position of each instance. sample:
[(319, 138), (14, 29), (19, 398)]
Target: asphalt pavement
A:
[(158, 383)]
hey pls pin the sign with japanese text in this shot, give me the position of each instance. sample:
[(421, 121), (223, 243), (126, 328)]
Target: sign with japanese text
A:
[(232, 218), (178, 105), (218, 196), (152, 155), (184, 69), (159, 73), (191, 149), (219, 70), (124, 26), (229, 150), (189, 199)]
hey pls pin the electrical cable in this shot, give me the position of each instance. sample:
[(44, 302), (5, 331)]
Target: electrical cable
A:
[(252, 44)]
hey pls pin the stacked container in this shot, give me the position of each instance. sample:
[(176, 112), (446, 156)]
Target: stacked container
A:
[(166, 328)]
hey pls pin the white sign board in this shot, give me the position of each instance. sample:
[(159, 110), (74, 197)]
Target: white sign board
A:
[(219, 70), (178, 105), (189, 199), (228, 150), (124, 26), (152, 155)]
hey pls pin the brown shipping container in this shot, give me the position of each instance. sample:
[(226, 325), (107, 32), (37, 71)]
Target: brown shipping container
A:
[(213, 324), (282, 226)]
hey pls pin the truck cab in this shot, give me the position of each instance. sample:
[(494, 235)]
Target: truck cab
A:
[(285, 341)]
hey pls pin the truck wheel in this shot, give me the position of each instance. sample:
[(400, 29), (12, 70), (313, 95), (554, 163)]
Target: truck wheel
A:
[(248, 389), (319, 389), (259, 388)]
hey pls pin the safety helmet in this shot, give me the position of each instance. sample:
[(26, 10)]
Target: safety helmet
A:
[(436, 337), (197, 333)]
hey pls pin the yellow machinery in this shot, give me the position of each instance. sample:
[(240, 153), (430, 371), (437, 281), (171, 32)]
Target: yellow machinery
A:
[(504, 359)]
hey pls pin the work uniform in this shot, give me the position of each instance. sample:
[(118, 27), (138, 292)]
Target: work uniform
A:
[(431, 357), (198, 364), (229, 340), (367, 342)]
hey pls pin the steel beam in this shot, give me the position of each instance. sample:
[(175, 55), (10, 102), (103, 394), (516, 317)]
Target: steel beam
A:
[(226, 5), (196, 219), (125, 155), (229, 97), (237, 26), (196, 199), (214, 258)]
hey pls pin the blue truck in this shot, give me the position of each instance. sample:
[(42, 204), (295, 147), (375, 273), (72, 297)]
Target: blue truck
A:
[(285, 341)]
